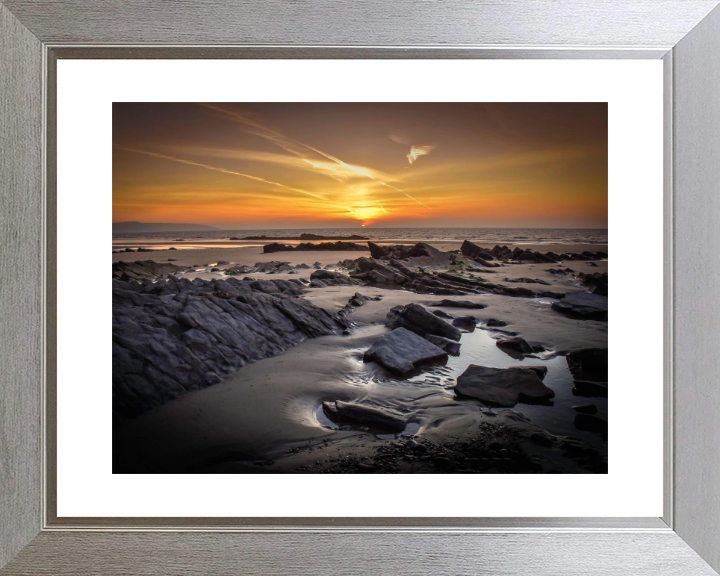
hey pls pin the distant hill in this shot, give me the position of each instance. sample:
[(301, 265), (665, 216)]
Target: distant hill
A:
[(129, 227)]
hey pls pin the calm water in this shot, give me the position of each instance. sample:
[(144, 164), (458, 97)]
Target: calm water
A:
[(498, 235)]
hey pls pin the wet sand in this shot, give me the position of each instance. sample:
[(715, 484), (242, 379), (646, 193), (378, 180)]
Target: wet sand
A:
[(267, 416)]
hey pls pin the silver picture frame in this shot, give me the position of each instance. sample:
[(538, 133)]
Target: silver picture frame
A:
[(34, 35)]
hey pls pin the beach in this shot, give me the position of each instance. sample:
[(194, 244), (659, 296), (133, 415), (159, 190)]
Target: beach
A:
[(268, 416)]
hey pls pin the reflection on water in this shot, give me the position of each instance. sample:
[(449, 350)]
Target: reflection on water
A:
[(479, 347)]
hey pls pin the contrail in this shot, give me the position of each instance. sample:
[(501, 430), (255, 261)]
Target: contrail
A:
[(217, 169), (291, 145)]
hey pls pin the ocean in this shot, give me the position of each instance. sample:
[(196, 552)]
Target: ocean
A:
[(496, 235)]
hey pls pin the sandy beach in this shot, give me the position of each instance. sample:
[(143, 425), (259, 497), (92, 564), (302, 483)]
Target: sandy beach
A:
[(268, 416)]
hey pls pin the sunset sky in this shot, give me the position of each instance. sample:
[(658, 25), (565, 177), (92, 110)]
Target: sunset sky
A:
[(329, 165)]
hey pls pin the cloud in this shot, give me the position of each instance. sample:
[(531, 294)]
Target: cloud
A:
[(218, 169), (301, 150), (417, 151)]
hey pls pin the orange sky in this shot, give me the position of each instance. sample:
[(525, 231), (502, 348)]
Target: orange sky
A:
[(235, 165)]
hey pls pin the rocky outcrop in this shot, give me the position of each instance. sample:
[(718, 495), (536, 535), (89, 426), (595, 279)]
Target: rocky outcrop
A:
[(504, 386), (480, 255), (401, 351), (309, 246), (144, 269), (526, 255), (417, 319), (411, 275), (360, 415), (321, 278), (583, 305), (177, 335)]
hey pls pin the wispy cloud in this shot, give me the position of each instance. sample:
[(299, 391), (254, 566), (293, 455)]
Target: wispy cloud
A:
[(219, 169), (416, 150), (308, 153)]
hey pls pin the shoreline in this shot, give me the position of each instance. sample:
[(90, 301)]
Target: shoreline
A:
[(263, 417)]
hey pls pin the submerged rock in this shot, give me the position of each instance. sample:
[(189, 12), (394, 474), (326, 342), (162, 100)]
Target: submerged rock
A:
[(354, 413), (493, 323), (504, 386), (401, 351), (583, 305), (417, 319)]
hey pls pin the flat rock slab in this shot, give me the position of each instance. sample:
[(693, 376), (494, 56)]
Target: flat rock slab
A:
[(353, 413), (415, 318), (583, 305), (401, 351), (504, 386)]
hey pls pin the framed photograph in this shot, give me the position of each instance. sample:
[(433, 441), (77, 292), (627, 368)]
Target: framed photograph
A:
[(370, 328)]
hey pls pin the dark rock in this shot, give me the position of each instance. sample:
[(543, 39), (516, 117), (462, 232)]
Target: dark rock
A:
[(492, 323), (465, 323), (586, 409), (480, 255), (459, 304), (143, 270), (504, 386), (358, 300), (450, 346), (541, 439), (359, 414), (441, 314), (515, 347), (169, 335), (527, 281), (589, 368), (583, 305), (237, 270), (401, 351), (330, 278), (222, 263), (309, 246), (597, 283), (590, 423), (416, 319)]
